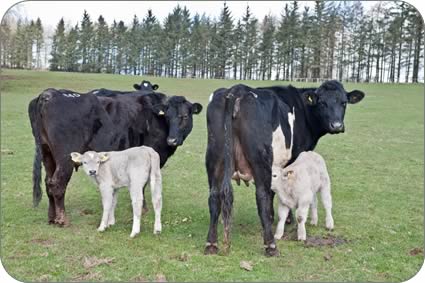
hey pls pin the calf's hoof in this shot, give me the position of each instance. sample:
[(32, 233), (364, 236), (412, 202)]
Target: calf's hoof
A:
[(272, 251), (156, 232), (134, 234), (278, 237), (211, 249), (101, 228)]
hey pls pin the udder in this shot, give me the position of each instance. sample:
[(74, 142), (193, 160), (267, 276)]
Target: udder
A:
[(242, 169)]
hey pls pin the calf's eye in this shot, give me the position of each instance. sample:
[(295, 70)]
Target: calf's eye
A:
[(274, 175)]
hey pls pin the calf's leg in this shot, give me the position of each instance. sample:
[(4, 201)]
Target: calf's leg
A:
[(156, 192), (313, 207), (327, 203), (107, 200), (111, 217), (301, 215), (282, 211)]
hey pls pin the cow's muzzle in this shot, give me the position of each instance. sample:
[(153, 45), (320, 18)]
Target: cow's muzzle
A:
[(336, 127), (172, 141)]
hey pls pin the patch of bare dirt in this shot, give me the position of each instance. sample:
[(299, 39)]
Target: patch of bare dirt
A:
[(6, 151), (7, 78), (328, 240), (416, 251), (43, 242), (246, 265), (86, 211), (139, 278), (87, 276), (160, 278), (89, 262)]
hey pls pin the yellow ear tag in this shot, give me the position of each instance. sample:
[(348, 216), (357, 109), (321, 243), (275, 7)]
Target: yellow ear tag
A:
[(161, 112), (309, 99)]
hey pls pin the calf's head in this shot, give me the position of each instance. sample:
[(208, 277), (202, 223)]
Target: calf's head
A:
[(282, 178), (90, 161), (328, 103), (146, 85), (178, 113)]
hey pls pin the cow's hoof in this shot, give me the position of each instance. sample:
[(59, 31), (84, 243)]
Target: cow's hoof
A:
[(211, 250), (272, 252)]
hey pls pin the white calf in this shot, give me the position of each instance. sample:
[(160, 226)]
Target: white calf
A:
[(297, 186), (132, 168)]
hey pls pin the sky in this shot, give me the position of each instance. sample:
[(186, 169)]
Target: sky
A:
[(50, 12)]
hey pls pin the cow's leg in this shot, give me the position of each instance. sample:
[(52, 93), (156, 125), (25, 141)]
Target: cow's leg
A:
[(301, 214), (111, 217), (49, 166), (58, 182), (271, 206), (327, 203), (282, 211), (214, 170), (313, 208)]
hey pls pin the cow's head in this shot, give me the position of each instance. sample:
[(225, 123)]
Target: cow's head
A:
[(328, 103), (146, 85), (90, 161), (179, 115)]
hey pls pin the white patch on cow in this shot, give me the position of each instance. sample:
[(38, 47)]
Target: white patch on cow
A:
[(71, 95), (211, 97), (254, 94), (281, 154), (145, 84)]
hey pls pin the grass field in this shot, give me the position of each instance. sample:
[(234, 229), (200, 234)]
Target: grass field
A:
[(376, 168)]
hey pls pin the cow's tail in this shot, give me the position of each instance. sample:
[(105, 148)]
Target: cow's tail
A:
[(226, 188), (36, 170)]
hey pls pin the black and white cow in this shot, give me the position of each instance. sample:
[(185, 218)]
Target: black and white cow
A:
[(64, 121), (251, 129), (145, 87)]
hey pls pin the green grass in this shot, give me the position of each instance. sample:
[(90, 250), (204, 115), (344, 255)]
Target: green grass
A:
[(376, 168)]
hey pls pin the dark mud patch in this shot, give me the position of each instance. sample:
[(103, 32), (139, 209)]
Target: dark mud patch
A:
[(416, 251), (328, 240)]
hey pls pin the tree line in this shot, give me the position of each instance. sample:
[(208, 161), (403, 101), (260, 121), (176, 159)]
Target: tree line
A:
[(332, 40)]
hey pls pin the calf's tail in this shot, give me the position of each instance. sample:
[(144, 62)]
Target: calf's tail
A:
[(36, 171), (226, 187)]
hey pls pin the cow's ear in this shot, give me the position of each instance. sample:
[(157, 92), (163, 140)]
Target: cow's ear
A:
[(310, 97), (159, 109), (155, 87), (355, 96), (196, 108), (136, 86), (76, 157), (103, 156)]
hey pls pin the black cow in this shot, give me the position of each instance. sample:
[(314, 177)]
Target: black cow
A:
[(65, 121), (251, 129), (145, 87)]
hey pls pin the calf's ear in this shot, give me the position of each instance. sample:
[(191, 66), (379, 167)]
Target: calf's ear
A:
[(196, 108), (159, 109), (289, 174), (76, 157), (310, 97), (136, 86), (155, 87), (355, 96), (103, 156)]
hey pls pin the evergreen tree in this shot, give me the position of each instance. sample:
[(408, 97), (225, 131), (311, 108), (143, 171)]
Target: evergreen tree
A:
[(57, 61)]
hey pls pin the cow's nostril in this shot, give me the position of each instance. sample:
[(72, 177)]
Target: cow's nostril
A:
[(92, 172), (171, 141), (336, 125)]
